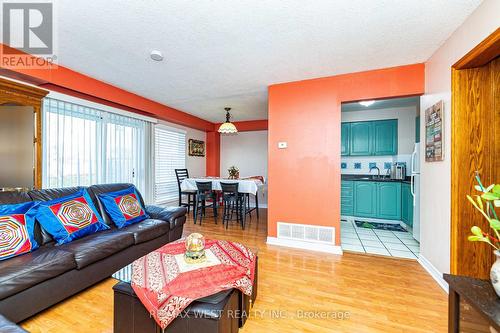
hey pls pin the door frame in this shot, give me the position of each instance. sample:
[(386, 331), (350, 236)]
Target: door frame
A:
[(471, 122)]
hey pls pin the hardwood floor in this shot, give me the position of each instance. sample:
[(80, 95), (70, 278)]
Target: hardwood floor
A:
[(374, 294)]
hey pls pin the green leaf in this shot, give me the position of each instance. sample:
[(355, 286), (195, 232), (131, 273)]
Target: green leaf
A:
[(489, 188), (472, 201), (495, 224), (479, 202), (476, 231), (478, 188), (477, 239), (490, 196), (496, 203), (496, 189)]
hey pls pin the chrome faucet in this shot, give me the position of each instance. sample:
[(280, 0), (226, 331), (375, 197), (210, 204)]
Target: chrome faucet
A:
[(378, 171)]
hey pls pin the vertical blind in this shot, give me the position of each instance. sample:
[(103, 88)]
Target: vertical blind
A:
[(170, 154), (84, 146)]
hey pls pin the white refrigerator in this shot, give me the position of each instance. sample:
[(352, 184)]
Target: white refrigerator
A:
[(415, 190)]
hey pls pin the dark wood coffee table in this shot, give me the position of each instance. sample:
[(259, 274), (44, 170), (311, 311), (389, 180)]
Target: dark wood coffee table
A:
[(223, 312)]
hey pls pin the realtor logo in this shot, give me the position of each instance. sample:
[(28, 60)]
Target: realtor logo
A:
[(28, 27)]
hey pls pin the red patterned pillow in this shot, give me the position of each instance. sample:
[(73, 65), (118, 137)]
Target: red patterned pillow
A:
[(16, 229)]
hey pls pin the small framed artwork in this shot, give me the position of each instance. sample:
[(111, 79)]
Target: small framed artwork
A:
[(196, 147), (434, 128)]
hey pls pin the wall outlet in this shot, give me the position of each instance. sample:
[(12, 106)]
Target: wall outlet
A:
[(282, 145)]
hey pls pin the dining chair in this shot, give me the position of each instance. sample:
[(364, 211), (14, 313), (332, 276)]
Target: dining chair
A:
[(203, 193), (234, 202), (182, 174)]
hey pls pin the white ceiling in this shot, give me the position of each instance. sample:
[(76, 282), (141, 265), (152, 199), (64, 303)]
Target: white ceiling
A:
[(225, 53)]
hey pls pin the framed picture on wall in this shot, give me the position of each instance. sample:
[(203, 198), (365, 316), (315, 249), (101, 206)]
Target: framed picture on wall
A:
[(196, 147), (434, 133)]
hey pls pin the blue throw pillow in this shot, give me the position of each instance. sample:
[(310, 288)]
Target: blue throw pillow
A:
[(123, 207), (17, 223), (71, 217)]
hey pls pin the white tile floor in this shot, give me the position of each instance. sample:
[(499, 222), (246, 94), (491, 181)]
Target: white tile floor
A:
[(381, 242)]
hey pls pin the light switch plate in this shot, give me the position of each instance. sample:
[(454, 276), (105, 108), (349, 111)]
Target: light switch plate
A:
[(282, 145)]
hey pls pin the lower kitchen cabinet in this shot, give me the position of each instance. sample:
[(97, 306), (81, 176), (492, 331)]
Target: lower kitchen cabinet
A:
[(346, 198), (406, 205), (380, 200), (389, 201), (365, 199)]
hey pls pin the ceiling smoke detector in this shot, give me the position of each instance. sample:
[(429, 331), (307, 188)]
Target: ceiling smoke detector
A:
[(156, 55)]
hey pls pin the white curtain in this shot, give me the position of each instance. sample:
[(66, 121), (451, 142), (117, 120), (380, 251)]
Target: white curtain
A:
[(84, 146), (170, 154)]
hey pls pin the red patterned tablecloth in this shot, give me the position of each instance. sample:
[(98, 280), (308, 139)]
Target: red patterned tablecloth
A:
[(166, 285)]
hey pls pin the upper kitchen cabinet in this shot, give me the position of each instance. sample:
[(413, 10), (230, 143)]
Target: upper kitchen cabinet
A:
[(385, 137), (360, 138), (344, 149), (370, 138)]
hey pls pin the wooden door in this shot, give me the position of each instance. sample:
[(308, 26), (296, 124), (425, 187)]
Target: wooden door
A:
[(475, 147)]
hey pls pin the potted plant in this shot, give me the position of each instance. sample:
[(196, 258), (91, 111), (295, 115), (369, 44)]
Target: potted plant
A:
[(486, 202), (234, 172)]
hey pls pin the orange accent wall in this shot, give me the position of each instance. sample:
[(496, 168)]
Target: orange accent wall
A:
[(213, 154), (304, 179), (71, 80)]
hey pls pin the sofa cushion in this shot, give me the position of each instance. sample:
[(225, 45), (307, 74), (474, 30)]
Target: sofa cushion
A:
[(42, 236), (70, 217), (124, 206), (7, 326), (147, 230), (17, 224), (98, 246), (20, 273), (95, 190), (13, 197), (170, 214)]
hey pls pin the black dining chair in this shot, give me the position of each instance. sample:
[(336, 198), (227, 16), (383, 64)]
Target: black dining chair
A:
[(182, 174), (203, 194), (234, 203)]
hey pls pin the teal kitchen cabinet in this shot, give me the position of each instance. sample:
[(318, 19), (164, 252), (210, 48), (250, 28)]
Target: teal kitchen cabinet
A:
[(389, 200), (344, 139), (365, 199), (346, 198), (360, 139), (385, 137), (370, 138), (406, 204)]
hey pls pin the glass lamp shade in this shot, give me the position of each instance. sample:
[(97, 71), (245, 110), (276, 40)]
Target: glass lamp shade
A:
[(228, 128)]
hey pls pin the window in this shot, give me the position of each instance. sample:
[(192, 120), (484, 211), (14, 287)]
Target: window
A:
[(84, 146), (170, 154)]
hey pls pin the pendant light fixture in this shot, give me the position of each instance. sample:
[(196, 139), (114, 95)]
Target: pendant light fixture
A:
[(228, 127)]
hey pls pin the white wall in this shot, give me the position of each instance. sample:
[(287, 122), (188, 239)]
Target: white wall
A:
[(247, 151), (196, 165), (435, 176)]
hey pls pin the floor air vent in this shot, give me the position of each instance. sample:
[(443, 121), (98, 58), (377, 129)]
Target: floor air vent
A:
[(303, 232)]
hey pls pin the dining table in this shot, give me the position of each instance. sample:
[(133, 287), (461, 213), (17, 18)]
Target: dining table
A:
[(246, 186)]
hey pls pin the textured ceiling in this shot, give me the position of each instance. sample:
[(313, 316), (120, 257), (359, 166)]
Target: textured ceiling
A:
[(225, 53)]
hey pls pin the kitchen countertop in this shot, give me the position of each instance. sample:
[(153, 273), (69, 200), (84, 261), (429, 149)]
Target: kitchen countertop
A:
[(371, 179)]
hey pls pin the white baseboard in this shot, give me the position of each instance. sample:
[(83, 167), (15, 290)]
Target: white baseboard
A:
[(333, 249), (433, 271)]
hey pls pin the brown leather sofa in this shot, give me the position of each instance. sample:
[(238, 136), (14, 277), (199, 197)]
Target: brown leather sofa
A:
[(35, 281)]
